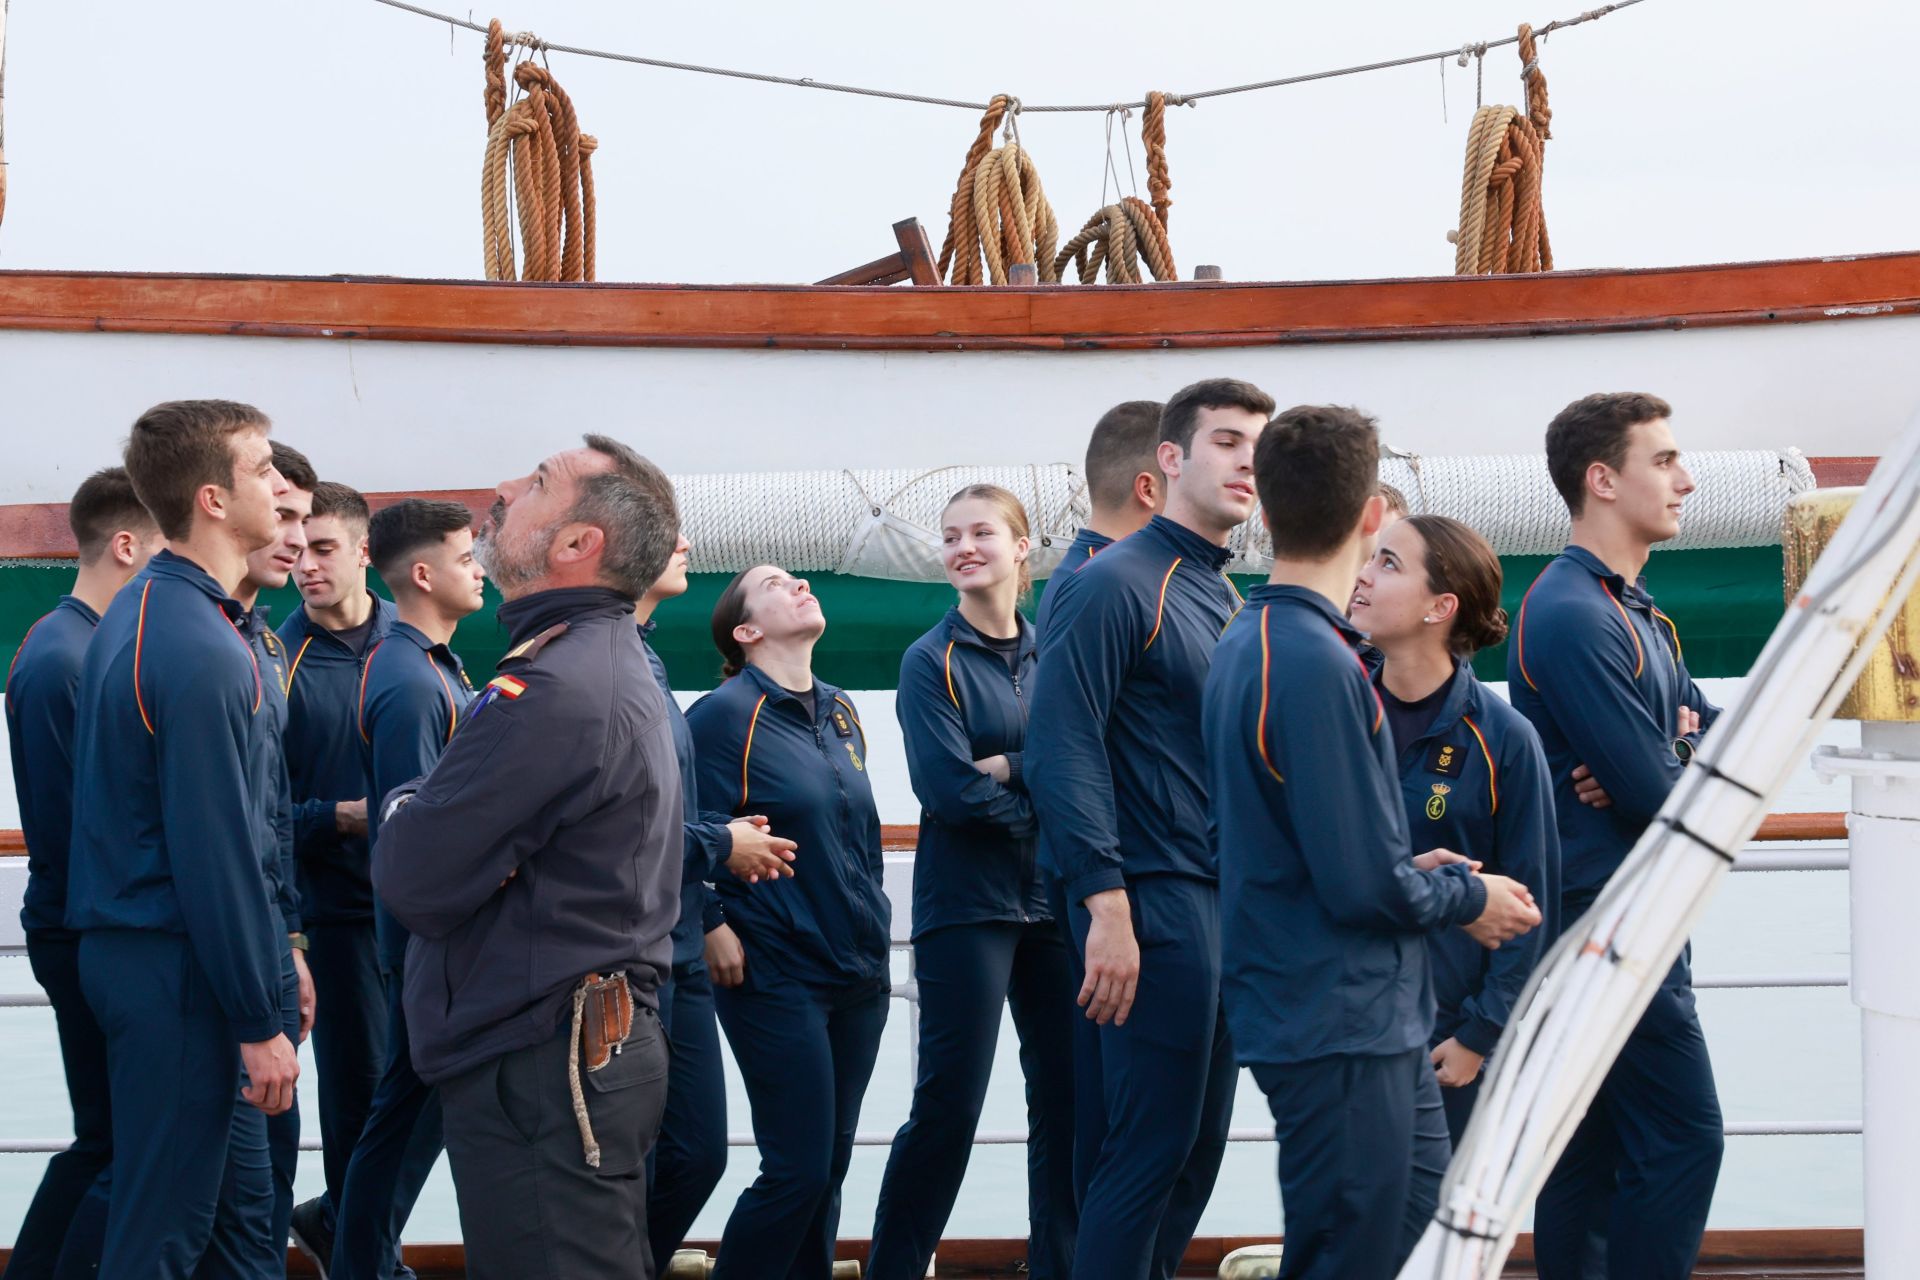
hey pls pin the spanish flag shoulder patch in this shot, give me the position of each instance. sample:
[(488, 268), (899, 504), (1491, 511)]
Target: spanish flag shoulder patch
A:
[(507, 686)]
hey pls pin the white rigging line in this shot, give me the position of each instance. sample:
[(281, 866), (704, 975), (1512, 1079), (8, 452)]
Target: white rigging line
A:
[(1477, 48)]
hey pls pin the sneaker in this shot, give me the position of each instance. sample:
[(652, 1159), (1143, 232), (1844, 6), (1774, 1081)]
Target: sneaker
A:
[(312, 1232)]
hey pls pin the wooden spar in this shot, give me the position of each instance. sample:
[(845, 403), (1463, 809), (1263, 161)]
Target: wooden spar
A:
[(1206, 315)]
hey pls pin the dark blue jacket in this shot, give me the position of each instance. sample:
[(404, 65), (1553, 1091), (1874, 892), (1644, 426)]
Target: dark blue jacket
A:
[(272, 657), (1323, 916), (172, 804), (1115, 760), (1476, 783), (546, 843), (412, 692), (957, 703), (706, 843), (1085, 546), (324, 764), (760, 752), (43, 686), (1598, 671)]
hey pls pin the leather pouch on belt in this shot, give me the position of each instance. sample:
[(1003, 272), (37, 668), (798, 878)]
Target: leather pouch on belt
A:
[(606, 1019)]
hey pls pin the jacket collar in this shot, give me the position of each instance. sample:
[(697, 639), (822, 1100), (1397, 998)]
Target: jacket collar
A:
[(1462, 698), (1300, 597), (1092, 539), (382, 618), (1188, 544), (166, 564), (80, 607), (418, 638), (1634, 592), (961, 631), (530, 615), (823, 693)]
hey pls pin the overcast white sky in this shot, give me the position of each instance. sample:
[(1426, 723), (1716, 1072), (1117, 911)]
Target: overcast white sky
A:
[(313, 136)]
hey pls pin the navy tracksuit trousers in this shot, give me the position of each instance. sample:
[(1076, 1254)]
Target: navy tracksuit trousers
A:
[(1363, 1147), (1458, 1104), (193, 1187), (1165, 1082), (283, 1130), (349, 1041), (1089, 1110), (806, 1053), (66, 1221), (395, 1153), (1629, 1198), (690, 1156), (966, 973)]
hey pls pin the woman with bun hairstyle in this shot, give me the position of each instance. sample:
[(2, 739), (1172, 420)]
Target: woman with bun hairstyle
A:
[(1472, 771), (805, 1010), (983, 936)]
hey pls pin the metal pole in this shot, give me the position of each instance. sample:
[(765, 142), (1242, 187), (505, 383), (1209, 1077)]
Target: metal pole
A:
[(1884, 835)]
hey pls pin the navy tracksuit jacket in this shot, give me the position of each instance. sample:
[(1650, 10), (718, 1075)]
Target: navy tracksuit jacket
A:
[(984, 938), (283, 1130), (1598, 671), (1085, 546), (805, 1026), (690, 1156), (1115, 763), (1327, 982), (1476, 782), (336, 897), (42, 689), (172, 880), (411, 694)]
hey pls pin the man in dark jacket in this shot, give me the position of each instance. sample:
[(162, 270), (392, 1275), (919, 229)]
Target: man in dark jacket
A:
[(543, 850), (1124, 485), (1597, 668), (115, 537), (1115, 763), (173, 859)]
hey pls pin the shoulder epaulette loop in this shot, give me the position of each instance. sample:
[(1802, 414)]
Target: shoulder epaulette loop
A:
[(529, 649)]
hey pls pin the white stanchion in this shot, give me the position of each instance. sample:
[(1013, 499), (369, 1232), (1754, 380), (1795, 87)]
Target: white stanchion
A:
[(1884, 835)]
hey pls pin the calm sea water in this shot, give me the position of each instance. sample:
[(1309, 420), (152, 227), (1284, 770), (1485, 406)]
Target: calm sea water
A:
[(1778, 1055)]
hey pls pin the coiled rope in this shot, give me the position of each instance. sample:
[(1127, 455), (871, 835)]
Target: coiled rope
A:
[(1121, 234), (1117, 238), (1000, 212), (1503, 224), (539, 138)]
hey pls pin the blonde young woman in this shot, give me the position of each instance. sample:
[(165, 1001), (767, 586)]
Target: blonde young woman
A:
[(983, 936)]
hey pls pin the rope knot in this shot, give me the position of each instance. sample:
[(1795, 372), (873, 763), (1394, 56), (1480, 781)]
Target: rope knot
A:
[(526, 40)]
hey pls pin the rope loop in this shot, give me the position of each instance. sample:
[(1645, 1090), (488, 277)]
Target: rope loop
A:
[(538, 139), (1503, 223), (1000, 214)]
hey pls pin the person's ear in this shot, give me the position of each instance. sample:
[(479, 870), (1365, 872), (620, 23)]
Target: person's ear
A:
[(211, 501), (123, 548), (1602, 482), (1442, 608), (1372, 515), (577, 543), (1146, 489), (1169, 455), (363, 556), (420, 577), (745, 634)]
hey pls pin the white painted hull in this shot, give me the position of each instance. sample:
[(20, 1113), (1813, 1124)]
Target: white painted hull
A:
[(447, 415)]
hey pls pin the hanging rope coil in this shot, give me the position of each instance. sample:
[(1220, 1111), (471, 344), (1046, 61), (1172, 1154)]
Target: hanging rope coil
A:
[(1503, 224), (1117, 238), (539, 139), (1000, 214), (1153, 132)]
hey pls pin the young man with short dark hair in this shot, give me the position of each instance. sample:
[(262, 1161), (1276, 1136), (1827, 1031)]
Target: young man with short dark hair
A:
[(1115, 765), (268, 570), (173, 860), (115, 537), (412, 691), (1597, 668), (1326, 977), (327, 640)]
